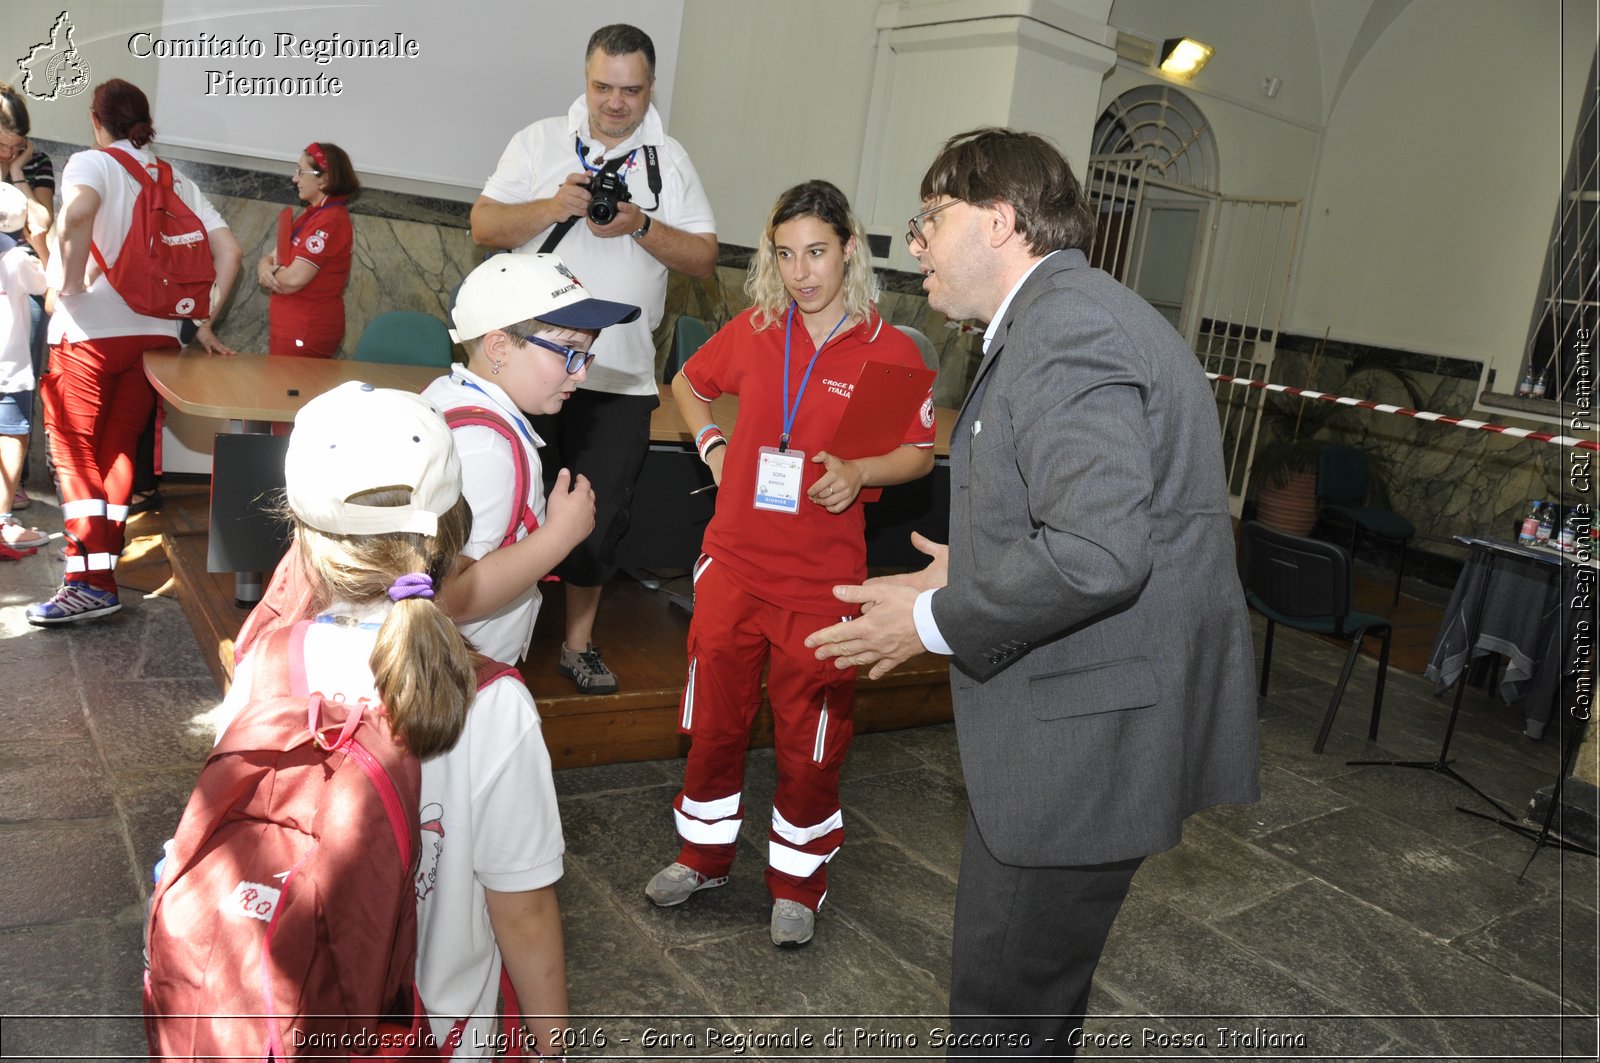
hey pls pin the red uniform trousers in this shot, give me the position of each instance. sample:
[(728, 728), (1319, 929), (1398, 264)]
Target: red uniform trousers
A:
[(96, 402), (733, 634), (303, 328)]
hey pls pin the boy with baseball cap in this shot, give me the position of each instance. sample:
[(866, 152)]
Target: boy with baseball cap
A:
[(526, 324)]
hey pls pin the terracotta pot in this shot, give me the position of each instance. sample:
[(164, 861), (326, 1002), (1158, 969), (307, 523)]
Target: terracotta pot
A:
[(1290, 507)]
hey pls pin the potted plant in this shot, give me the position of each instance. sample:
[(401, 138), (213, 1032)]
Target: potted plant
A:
[(1293, 431)]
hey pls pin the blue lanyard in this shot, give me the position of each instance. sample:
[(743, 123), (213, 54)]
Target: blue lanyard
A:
[(789, 413), (583, 157), (517, 420)]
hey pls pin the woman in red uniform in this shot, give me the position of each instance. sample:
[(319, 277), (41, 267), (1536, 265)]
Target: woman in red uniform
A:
[(96, 398), (787, 529), (306, 314)]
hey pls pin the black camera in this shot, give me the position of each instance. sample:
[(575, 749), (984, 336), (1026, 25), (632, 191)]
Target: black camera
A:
[(607, 192)]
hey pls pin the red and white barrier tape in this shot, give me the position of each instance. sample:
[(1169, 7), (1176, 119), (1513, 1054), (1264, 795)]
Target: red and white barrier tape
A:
[(1421, 415)]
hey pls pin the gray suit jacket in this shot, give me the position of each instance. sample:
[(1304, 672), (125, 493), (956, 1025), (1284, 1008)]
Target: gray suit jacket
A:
[(1103, 670)]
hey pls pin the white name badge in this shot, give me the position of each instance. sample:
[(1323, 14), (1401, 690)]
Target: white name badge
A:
[(779, 474)]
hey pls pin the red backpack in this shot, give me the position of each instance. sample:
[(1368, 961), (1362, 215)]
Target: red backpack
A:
[(165, 267), (284, 923)]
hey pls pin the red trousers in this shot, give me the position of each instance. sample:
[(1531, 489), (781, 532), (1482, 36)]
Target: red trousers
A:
[(96, 402), (302, 329), (733, 634)]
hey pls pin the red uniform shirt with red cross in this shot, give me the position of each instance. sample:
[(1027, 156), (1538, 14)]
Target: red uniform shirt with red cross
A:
[(792, 559), (323, 237)]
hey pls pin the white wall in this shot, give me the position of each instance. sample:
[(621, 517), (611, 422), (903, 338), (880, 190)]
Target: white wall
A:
[(769, 95), (1437, 182)]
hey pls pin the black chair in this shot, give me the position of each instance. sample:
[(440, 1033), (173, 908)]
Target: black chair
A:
[(1306, 584), (1342, 483)]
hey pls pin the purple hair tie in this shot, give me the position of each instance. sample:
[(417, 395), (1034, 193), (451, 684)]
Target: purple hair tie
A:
[(412, 585)]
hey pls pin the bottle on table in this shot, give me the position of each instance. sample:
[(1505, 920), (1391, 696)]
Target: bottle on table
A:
[(1567, 537), (1547, 524), (1530, 523)]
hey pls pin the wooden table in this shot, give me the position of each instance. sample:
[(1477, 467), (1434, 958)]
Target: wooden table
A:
[(258, 387), (253, 390)]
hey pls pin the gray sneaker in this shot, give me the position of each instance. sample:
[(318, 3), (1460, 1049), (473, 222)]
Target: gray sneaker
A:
[(792, 923), (587, 670), (674, 883)]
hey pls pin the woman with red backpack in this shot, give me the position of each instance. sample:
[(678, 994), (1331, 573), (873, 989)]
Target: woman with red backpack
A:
[(96, 398)]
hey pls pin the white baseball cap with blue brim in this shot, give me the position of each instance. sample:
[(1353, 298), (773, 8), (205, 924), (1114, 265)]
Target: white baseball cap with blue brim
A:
[(510, 288)]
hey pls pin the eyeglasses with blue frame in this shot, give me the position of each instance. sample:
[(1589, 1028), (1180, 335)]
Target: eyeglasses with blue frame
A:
[(577, 361)]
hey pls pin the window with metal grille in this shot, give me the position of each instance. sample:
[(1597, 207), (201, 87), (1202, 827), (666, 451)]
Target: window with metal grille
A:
[(1559, 342)]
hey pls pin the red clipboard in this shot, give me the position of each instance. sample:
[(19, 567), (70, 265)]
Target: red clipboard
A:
[(874, 421), (285, 242)]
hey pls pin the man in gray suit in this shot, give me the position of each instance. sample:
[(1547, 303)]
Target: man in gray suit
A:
[(1101, 656)]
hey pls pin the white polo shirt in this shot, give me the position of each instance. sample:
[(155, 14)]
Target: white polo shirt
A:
[(534, 165), (100, 312), (487, 474)]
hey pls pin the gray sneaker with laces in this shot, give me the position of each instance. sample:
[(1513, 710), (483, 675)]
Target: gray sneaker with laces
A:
[(792, 923), (675, 883), (587, 670)]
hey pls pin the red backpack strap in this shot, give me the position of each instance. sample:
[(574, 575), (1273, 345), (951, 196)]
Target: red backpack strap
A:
[(490, 670), (140, 175), (482, 417)]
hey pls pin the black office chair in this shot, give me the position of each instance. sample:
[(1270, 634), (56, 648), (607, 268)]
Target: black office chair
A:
[(1342, 482), (1306, 584)]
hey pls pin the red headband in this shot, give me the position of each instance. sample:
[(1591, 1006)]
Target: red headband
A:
[(314, 150)]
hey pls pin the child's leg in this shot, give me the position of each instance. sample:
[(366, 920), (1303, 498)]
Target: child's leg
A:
[(726, 653), (813, 718)]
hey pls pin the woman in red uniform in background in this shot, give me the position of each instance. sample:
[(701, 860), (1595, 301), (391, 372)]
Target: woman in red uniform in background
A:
[(306, 314)]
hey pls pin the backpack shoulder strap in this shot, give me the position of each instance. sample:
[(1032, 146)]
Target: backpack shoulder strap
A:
[(134, 168), (140, 175), (489, 670), (483, 417)]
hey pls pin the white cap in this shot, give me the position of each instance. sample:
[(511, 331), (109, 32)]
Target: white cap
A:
[(359, 438), (13, 208), (506, 289)]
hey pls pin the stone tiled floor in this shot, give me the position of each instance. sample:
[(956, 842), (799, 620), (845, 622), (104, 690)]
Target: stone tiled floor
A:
[(1353, 913)]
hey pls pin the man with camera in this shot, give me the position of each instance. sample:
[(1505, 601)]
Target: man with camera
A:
[(619, 200)]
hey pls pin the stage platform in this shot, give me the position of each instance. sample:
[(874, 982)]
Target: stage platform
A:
[(642, 633)]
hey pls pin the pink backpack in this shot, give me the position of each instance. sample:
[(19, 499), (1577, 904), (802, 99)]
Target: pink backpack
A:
[(284, 923)]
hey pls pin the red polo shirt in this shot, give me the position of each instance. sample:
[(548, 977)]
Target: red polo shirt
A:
[(792, 560)]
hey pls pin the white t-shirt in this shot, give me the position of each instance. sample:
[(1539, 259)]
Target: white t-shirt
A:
[(487, 475), (20, 276), (489, 820), (100, 312), (534, 165)]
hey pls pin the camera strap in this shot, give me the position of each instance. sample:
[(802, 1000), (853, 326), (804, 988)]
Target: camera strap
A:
[(652, 169)]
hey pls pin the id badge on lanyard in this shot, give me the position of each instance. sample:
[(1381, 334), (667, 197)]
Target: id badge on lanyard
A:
[(779, 476), (780, 471)]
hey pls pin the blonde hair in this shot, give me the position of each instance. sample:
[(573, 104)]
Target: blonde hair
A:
[(423, 668), (823, 201)]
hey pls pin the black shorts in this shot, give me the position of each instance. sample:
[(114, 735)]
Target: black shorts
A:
[(604, 437)]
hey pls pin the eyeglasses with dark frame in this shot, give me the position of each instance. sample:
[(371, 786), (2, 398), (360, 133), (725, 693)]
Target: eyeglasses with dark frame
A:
[(577, 361), (914, 233)]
